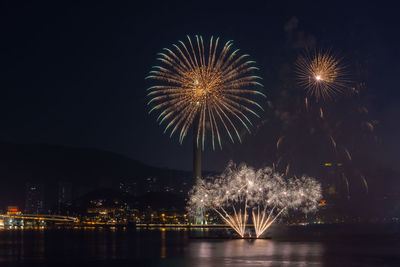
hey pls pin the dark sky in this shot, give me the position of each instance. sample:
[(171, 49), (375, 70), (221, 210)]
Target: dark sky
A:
[(73, 74)]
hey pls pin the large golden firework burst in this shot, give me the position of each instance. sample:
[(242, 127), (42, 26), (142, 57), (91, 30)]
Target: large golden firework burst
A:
[(204, 86), (322, 74)]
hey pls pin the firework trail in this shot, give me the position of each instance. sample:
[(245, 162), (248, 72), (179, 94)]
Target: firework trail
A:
[(322, 129)]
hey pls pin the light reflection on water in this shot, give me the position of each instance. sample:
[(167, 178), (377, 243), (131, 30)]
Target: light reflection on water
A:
[(330, 246), (255, 253), (163, 247)]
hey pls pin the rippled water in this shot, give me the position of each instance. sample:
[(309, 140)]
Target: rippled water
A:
[(332, 245)]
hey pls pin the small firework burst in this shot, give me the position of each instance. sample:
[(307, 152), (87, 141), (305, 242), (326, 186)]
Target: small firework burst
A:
[(322, 74)]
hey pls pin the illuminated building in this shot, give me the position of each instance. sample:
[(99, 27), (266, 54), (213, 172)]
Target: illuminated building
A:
[(34, 198), (13, 210)]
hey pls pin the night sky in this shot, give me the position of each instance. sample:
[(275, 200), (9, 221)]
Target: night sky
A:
[(73, 74)]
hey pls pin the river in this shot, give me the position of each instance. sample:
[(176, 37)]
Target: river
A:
[(319, 245)]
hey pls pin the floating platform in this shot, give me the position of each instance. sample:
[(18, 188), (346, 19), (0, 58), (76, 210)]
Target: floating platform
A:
[(227, 237)]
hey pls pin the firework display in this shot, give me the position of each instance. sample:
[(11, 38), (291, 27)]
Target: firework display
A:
[(208, 86), (322, 74), (264, 193), (317, 135), (212, 88)]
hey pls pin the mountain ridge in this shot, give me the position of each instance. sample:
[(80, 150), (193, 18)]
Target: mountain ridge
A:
[(86, 168)]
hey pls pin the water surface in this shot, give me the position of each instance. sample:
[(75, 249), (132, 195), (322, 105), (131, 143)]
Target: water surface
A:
[(323, 245)]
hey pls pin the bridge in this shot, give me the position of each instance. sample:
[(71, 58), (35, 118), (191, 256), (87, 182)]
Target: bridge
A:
[(37, 219)]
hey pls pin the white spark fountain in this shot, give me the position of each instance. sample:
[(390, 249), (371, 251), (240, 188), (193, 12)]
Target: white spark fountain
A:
[(266, 192)]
